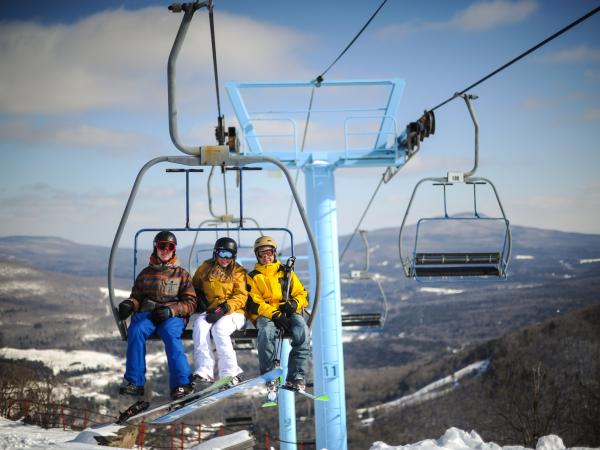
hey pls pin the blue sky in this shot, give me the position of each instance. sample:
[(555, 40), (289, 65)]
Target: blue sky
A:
[(83, 106)]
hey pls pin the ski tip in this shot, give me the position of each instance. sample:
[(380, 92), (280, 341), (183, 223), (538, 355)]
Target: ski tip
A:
[(322, 398), (268, 404)]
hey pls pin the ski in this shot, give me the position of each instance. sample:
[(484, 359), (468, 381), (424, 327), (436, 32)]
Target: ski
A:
[(142, 408), (132, 411), (269, 403), (322, 397), (271, 399), (215, 397)]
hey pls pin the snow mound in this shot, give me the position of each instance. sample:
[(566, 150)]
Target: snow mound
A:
[(456, 439)]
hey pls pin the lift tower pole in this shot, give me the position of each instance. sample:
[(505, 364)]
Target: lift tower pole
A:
[(328, 355)]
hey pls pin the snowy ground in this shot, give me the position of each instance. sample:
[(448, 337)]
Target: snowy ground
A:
[(16, 435), (107, 369), (433, 390), (455, 439)]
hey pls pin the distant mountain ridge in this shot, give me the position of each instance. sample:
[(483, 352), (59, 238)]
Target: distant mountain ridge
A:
[(56, 254), (546, 246)]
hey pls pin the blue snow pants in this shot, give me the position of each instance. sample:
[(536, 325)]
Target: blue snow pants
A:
[(140, 329)]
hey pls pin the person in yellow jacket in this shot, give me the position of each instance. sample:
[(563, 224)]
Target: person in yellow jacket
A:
[(269, 312), (220, 284)]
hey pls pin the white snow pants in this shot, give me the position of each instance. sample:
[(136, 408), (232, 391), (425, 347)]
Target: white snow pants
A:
[(204, 362)]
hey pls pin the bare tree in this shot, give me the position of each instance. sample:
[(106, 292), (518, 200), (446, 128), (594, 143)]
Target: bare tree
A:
[(530, 402)]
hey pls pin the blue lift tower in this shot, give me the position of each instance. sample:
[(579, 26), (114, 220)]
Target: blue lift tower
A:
[(368, 136)]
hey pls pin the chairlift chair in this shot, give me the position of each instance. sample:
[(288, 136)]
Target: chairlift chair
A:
[(458, 264), (364, 276), (242, 339)]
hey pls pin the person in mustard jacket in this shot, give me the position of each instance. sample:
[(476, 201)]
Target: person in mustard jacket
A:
[(161, 301), (269, 312), (220, 284)]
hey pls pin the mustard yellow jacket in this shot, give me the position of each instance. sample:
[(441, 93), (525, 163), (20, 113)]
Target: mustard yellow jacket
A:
[(265, 284), (218, 288)]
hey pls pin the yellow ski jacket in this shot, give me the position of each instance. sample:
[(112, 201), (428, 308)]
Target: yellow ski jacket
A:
[(219, 288), (266, 285)]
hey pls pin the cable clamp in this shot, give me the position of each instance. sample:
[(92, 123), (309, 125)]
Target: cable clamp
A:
[(214, 155)]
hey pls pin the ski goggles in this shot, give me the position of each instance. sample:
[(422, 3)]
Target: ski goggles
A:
[(225, 254), (266, 252), (165, 245)]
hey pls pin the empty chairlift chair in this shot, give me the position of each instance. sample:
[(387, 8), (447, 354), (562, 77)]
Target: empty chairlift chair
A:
[(465, 262), (370, 282)]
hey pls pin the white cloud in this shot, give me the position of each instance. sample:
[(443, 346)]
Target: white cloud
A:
[(119, 58), (77, 136), (579, 54), (489, 15), (579, 210), (592, 74), (91, 216), (535, 103), (482, 16), (41, 210), (592, 115)]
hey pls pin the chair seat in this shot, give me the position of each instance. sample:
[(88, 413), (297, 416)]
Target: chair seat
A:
[(361, 320), (456, 271), (457, 258), (240, 336)]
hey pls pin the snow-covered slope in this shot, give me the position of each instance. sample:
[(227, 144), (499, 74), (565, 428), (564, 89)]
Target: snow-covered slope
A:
[(16, 435)]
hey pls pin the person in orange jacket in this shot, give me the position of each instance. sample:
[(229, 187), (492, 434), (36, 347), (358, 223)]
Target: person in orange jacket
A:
[(163, 299)]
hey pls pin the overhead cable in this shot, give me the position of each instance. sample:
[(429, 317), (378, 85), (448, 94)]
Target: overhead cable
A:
[(289, 213), (385, 178), (521, 56), (361, 218), (319, 79)]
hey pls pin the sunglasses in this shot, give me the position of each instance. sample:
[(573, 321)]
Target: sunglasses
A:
[(266, 252), (165, 245), (225, 254)]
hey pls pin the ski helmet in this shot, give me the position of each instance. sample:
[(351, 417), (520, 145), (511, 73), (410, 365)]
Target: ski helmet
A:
[(225, 243), (165, 236), (265, 241)]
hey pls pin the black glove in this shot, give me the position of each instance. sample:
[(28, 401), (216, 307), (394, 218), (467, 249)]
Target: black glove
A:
[(281, 321), (288, 308), (202, 304), (160, 314), (125, 309), (215, 314)]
